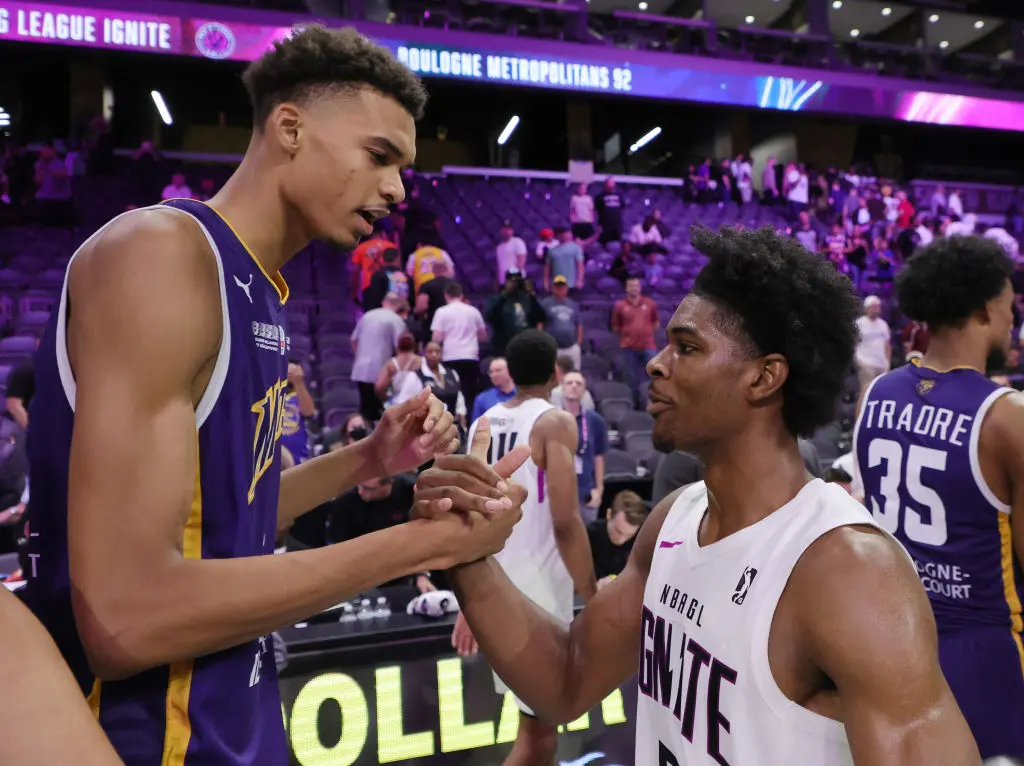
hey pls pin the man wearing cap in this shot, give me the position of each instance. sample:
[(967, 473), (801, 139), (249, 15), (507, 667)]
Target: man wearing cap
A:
[(546, 242), (510, 252), (563, 320), (564, 260), (512, 310), (874, 351)]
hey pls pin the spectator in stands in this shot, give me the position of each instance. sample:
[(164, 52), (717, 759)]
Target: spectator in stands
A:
[(298, 405), (955, 205), (177, 188), (420, 267), (374, 339), (503, 388), (459, 327), (611, 538), (702, 181), (925, 235), (769, 182), (435, 291), (653, 270), (564, 260), (21, 387), (352, 429), (563, 366), (20, 171), (53, 189), (634, 320), (420, 223), (904, 210), (862, 217), (365, 261), (874, 350), (581, 216), (645, 237), (510, 252), (563, 320), (962, 228), (207, 188), (806, 234), (1006, 241), (609, 204), (416, 320), (938, 204), (388, 279), (443, 381), (743, 172), (722, 176), (546, 242), (836, 244), (676, 469), (392, 383), (591, 447), (1015, 214), (513, 310), (797, 189)]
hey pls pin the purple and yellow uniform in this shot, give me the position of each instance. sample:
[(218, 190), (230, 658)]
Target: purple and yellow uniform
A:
[(916, 445), (223, 708)]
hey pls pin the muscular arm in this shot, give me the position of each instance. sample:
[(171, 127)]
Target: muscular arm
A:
[(560, 672), (867, 625), (556, 439), (48, 721), (144, 328), (1001, 455)]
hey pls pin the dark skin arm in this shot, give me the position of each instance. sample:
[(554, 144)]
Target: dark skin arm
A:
[(1001, 455), (554, 441), (860, 618), (560, 672)]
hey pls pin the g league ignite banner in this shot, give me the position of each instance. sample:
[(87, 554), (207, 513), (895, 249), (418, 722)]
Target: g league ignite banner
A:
[(433, 712), (232, 35)]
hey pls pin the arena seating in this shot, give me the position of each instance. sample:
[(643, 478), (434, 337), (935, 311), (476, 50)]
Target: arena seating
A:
[(471, 208)]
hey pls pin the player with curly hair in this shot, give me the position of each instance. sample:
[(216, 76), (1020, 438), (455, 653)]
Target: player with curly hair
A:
[(940, 449), (774, 622)]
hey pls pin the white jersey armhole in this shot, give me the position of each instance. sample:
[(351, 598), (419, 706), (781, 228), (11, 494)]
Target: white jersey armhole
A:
[(220, 368), (979, 419), (789, 712)]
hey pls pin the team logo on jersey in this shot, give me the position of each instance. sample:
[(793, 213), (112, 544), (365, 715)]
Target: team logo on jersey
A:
[(743, 586), (924, 386), (271, 337), (215, 40)]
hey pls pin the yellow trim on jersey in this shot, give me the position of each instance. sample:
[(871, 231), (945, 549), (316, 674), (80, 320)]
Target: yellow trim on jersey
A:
[(276, 280), (178, 726), (1009, 585), (94, 698)]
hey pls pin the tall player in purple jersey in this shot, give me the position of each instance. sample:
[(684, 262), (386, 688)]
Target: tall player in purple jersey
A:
[(158, 410), (940, 449)]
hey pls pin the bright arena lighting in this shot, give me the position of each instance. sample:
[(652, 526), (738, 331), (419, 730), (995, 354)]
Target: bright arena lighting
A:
[(887, 11), (749, 19), (854, 33), (645, 139), (161, 107), (933, 18), (979, 24), (509, 130), (944, 44), (5, 118), (642, 5), (837, 4)]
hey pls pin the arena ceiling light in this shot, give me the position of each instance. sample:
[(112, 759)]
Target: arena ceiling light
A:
[(161, 107), (979, 24), (837, 4), (944, 44), (854, 33), (645, 139), (749, 19), (887, 11), (5, 118), (642, 5), (933, 18), (509, 130)]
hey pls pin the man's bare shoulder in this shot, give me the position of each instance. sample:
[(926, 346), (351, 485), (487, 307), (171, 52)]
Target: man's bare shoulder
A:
[(1004, 423), (859, 553), (555, 422), (144, 240)]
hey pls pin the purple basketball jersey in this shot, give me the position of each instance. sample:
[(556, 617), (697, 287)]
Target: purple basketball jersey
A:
[(225, 707), (916, 444)]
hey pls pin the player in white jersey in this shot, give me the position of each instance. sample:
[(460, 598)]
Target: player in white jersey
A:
[(548, 552), (774, 623)]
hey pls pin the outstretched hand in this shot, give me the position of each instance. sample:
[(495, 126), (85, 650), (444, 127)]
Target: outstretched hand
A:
[(410, 434), (465, 483)]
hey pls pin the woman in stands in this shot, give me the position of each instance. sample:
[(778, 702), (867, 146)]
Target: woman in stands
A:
[(391, 382)]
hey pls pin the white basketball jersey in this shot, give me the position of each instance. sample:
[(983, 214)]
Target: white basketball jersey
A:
[(706, 692), (530, 557)]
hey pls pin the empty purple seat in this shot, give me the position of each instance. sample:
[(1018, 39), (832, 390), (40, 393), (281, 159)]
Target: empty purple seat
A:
[(33, 319), (17, 344)]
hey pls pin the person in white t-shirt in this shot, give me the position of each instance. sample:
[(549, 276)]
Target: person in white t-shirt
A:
[(797, 189), (510, 252), (874, 350), (459, 328), (743, 171), (581, 215), (177, 188), (1006, 240), (955, 204)]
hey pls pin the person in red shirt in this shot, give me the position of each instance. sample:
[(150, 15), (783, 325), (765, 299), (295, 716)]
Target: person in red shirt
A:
[(366, 260), (634, 320), (905, 210), (915, 340)]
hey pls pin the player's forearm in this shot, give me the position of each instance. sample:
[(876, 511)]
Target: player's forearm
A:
[(191, 608), (307, 407), (524, 645), (574, 548), (323, 478)]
